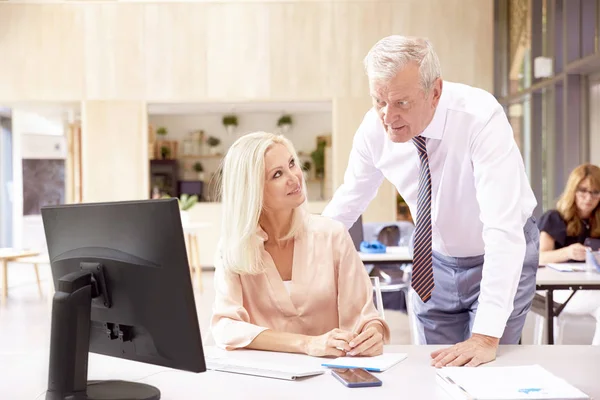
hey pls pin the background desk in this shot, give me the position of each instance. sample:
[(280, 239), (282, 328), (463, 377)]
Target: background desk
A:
[(24, 376), (549, 279), (9, 254), (396, 255)]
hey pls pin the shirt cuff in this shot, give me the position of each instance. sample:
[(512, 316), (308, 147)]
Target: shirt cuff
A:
[(490, 320), (236, 334)]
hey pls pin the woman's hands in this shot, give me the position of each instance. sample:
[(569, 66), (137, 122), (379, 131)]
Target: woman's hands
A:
[(338, 343), (576, 252), (333, 343), (369, 343)]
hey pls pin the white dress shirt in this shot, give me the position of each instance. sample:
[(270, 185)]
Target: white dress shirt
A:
[(481, 197)]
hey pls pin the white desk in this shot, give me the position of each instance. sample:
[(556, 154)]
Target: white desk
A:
[(394, 255), (24, 377), (549, 280)]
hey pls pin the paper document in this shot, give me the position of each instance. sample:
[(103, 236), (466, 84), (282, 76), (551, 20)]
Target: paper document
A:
[(506, 383), (567, 267), (374, 364)]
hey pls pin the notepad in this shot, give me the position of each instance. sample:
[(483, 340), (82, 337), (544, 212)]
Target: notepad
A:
[(374, 364), (506, 383), (567, 267)]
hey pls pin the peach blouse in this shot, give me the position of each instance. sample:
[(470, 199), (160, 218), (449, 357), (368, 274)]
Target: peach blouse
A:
[(329, 289)]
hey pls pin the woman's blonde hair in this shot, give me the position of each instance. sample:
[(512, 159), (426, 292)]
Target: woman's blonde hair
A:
[(242, 188), (567, 207)]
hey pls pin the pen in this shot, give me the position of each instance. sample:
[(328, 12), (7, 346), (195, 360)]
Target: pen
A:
[(529, 390), (469, 397)]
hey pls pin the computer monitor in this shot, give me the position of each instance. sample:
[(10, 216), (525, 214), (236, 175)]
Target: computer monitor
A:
[(123, 289), (357, 233)]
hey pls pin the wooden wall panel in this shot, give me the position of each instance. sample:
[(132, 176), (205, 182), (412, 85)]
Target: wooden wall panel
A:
[(348, 113), (357, 27), (461, 32), (114, 150), (238, 51), (175, 51), (114, 51), (40, 52), (116, 57), (302, 50)]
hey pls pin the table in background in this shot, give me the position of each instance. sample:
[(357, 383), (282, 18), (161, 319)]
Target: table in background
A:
[(393, 255), (549, 280), (190, 232), (10, 254)]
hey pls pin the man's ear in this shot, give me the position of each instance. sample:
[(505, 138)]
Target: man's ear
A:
[(437, 91)]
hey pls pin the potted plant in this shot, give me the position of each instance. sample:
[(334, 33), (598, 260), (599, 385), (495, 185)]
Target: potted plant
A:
[(402, 209), (199, 170), (285, 122), (185, 202), (212, 143), (165, 152), (230, 122), (162, 131), (306, 169), (318, 157)]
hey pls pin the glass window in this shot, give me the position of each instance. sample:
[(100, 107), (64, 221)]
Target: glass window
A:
[(548, 148), (519, 116), (6, 172), (519, 47), (546, 50)]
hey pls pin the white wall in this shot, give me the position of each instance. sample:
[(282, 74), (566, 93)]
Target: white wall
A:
[(6, 181), (35, 135)]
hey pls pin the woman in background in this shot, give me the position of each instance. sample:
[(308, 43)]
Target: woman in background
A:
[(286, 280), (564, 231)]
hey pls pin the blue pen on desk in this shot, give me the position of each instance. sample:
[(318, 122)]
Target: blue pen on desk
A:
[(530, 390)]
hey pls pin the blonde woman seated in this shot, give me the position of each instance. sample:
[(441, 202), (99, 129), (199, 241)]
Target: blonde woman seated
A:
[(563, 233), (286, 280)]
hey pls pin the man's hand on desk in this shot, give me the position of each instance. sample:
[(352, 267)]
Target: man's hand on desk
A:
[(479, 349)]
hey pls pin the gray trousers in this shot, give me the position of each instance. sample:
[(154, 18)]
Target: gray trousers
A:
[(448, 316)]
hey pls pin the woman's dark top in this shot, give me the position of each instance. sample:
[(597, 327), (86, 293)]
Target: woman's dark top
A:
[(553, 224)]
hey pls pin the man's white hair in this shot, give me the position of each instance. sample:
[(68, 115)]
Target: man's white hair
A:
[(389, 55)]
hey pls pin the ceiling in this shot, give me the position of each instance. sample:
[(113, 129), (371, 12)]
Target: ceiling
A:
[(287, 107)]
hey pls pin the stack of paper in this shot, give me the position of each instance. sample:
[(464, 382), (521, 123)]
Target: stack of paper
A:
[(567, 267), (374, 364), (506, 383)]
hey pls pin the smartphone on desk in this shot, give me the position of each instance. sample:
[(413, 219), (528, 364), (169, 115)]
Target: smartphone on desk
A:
[(355, 377)]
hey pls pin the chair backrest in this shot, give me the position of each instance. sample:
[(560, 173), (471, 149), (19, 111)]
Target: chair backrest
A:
[(378, 298), (356, 233), (389, 235)]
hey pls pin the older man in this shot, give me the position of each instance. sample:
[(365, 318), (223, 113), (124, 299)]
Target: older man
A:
[(450, 151)]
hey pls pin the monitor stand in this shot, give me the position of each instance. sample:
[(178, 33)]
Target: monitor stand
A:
[(70, 341)]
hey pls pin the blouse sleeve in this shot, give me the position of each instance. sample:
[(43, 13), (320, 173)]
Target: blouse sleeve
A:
[(230, 322), (552, 223), (355, 292)]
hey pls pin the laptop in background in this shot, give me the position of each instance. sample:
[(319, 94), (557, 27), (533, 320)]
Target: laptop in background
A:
[(357, 233)]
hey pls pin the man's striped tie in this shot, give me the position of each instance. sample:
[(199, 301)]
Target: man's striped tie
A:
[(422, 273)]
